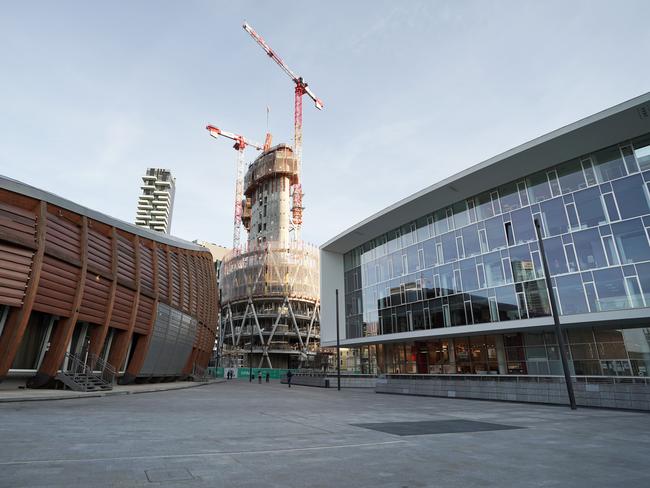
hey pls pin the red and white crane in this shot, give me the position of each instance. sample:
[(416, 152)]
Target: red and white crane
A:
[(300, 89), (241, 143)]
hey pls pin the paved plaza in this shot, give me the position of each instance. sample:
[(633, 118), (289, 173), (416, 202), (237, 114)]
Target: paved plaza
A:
[(237, 434)]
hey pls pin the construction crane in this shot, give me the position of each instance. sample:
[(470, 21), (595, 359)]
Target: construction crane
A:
[(240, 144), (300, 89)]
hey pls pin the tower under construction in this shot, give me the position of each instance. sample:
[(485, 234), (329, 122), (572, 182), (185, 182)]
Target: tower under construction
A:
[(270, 288)]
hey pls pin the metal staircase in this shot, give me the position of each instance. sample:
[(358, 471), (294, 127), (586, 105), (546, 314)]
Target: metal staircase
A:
[(89, 374)]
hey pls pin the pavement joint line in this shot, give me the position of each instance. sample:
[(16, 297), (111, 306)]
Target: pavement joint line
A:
[(199, 454), (80, 395)]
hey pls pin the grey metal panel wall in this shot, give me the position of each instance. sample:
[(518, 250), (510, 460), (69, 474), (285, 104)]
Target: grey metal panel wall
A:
[(171, 343)]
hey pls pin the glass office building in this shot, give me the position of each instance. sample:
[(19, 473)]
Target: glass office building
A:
[(451, 279)]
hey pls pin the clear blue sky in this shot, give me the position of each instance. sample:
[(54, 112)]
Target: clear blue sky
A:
[(91, 93)]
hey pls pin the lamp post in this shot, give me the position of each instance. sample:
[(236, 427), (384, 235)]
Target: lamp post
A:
[(559, 332), (250, 358), (338, 345)]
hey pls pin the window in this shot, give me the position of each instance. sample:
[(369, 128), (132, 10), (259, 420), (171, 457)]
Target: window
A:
[(521, 302), (612, 294), (468, 275), (507, 269), (589, 249), (571, 258), (509, 197), (450, 218), (610, 206), (522, 264), (642, 153), (471, 210), (630, 160), (609, 164), (588, 171), (631, 199), (522, 224), (470, 241), (555, 256), (429, 248), (571, 176), (571, 294), (449, 247), (538, 187), (523, 196), (458, 283), (496, 206), (554, 217), (553, 183), (634, 292), (509, 234), (592, 298), (493, 269), (538, 267), (610, 251), (494, 309), (459, 247), (446, 315), (571, 213), (589, 206), (631, 241), (480, 272), (439, 252), (483, 240)]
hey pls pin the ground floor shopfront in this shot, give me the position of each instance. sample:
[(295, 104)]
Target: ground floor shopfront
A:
[(592, 351)]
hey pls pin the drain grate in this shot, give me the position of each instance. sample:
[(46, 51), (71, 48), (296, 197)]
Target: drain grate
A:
[(426, 427), (161, 475)]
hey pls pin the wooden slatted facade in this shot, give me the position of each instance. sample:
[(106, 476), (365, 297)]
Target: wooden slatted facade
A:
[(61, 260)]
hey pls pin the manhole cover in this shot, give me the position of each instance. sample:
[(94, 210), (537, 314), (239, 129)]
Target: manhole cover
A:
[(425, 427), (176, 474)]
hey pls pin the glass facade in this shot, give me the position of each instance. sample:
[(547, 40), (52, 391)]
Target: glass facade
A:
[(478, 260), (591, 352)]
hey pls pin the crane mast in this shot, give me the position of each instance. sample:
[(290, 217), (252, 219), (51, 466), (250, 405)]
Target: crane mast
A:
[(301, 89), (240, 145)]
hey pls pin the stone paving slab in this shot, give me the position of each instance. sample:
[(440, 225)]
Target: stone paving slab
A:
[(31, 395), (237, 434)]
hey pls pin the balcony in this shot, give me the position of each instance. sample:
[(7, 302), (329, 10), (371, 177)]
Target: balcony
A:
[(164, 183), (161, 193), (146, 197)]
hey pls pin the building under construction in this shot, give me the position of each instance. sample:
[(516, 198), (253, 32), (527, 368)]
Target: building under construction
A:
[(270, 288)]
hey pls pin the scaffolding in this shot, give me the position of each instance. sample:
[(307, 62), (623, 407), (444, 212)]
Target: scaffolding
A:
[(270, 298)]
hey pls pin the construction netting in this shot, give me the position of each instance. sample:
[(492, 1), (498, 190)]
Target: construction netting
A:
[(271, 269)]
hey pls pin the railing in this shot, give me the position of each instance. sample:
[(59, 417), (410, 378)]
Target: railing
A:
[(77, 370), (512, 378), (98, 367), (199, 373)]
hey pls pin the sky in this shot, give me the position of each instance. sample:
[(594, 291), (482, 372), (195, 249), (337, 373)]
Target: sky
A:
[(92, 93)]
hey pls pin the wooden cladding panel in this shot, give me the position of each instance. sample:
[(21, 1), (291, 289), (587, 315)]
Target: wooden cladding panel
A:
[(176, 280), (63, 236), (95, 299), (143, 318), (125, 259), (99, 251), (122, 307), (18, 224), (191, 261), (187, 283), (163, 277), (56, 288), (146, 269), (15, 265)]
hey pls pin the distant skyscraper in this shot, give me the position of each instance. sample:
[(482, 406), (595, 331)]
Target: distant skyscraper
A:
[(156, 203)]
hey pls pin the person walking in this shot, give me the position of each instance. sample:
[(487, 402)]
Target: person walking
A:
[(259, 377), (268, 376), (289, 375)]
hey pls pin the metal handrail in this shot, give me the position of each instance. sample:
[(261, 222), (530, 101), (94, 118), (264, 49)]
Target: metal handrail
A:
[(106, 370), (76, 368)]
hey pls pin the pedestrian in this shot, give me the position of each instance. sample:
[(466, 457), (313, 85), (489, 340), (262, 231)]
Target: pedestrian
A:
[(268, 376), (289, 375), (259, 377)]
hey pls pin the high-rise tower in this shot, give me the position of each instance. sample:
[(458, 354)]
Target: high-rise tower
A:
[(270, 288), (156, 203)]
